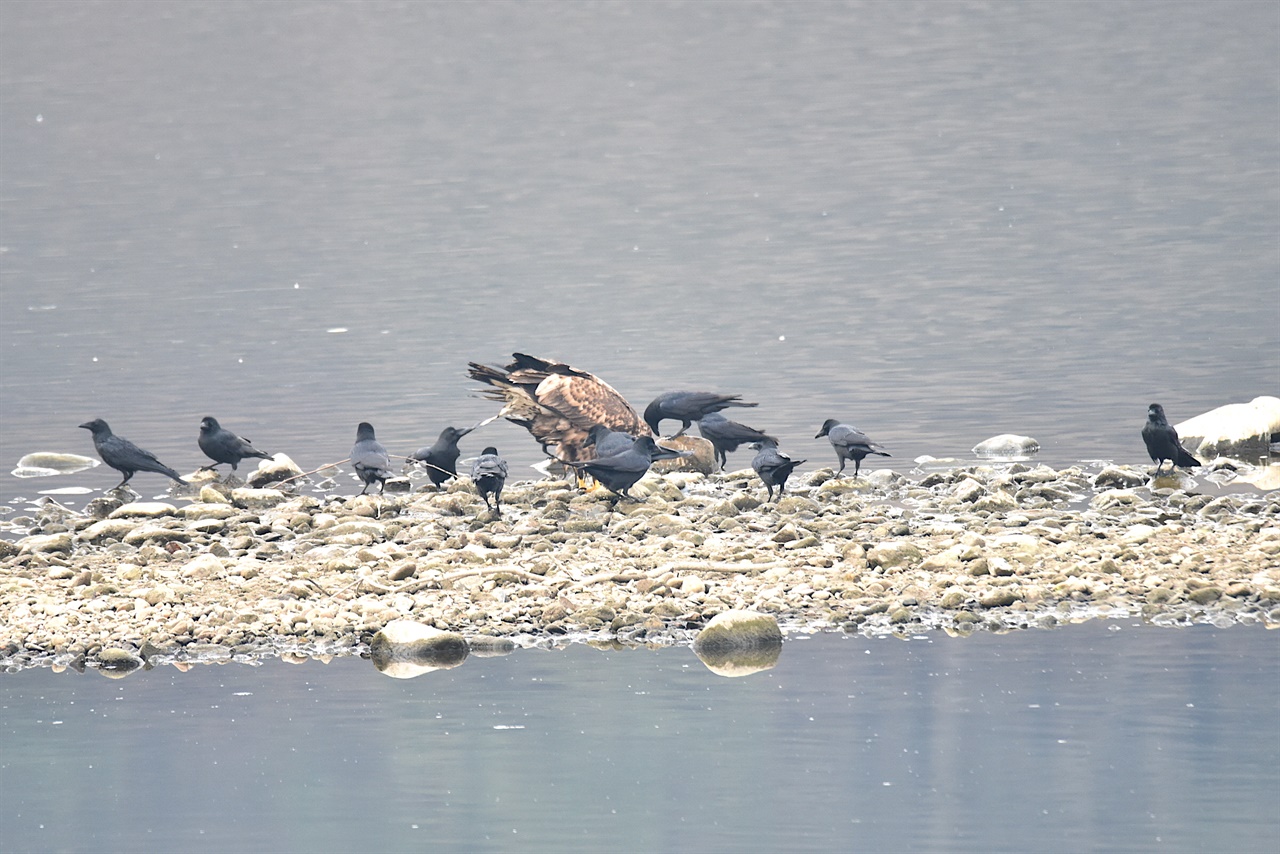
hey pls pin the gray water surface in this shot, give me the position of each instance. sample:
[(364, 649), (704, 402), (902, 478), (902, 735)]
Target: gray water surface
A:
[(1102, 736), (937, 221)]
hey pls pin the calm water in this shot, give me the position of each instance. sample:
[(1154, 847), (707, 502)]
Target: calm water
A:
[(1104, 736), (939, 221)]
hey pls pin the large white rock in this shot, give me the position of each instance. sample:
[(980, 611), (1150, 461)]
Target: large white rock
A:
[(1008, 445), (1237, 429), (404, 649), (278, 468), (739, 643)]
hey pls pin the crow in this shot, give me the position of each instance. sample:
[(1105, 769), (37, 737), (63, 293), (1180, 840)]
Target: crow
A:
[(687, 407), (850, 444), (773, 466), (610, 442), (124, 456), (223, 446), (726, 435), (1162, 441), (620, 472), (489, 472), (370, 459), (442, 458)]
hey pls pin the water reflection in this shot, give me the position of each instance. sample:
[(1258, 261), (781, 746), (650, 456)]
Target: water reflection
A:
[(1099, 736), (404, 649)]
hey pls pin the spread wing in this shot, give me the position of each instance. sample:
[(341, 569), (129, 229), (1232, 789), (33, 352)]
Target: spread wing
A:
[(558, 403)]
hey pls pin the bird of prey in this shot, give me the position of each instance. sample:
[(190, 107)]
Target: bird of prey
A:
[(558, 404), (621, 471), (726, 435), (773, 466), (1162, 441), (442, 458), (687, 407), (489, 472), (223, 446), (370, 459), (124, 456), (850, 444)]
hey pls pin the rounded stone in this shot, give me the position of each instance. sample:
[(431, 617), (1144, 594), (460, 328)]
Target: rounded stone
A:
[(403, 649)]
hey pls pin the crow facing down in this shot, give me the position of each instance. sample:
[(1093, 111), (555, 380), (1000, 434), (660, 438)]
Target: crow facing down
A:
[(370, 459), (489, 472), (850, 444), (610, 442), (773, 466), (621, 471), (223, 446), (124, 456), (1162, 441), (441, 458), (726, 435), (687, 407)]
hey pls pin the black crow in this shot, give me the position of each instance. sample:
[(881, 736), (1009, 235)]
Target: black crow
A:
[(1162, 441), (687, 407), (223, 446), (727, 435), (620, 472), (489, 472), (124, 456), (370, 459), (773, 466), (556, 403), (442, 458), (610, 442), (850, 444)]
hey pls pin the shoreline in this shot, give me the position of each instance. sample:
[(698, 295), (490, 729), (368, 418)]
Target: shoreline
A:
[(978, 547)]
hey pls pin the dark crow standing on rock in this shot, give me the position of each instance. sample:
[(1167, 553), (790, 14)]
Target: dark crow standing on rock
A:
[(442, 458), (223, 446), (370, 459), (773, 466), (850, 444), (1162, 441), (727, 435), (621, 471), (124, 456), (687, 407), (489, 472)]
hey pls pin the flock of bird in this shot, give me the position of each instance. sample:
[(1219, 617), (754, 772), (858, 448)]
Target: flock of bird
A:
[(582, 422)]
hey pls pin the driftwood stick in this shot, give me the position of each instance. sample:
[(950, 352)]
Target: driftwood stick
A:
[(317, 471), (715, 566)]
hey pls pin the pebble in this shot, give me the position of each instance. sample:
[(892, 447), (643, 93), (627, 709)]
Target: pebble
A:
[(961, 546)]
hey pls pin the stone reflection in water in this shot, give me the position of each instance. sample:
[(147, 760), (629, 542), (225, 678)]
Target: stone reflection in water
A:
[(404, 649), (739, 643), (116, 663)]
